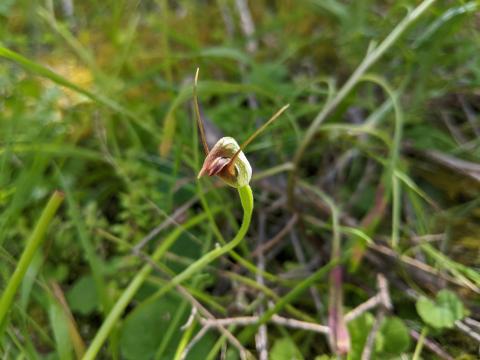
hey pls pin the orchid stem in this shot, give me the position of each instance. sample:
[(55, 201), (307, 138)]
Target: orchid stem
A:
[(246, 198)]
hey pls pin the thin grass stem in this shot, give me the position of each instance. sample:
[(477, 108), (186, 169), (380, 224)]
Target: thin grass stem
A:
[(33, 243)]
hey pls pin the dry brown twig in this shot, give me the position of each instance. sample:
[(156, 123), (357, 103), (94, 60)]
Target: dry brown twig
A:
[(368, 348), (384, 305), (275, 319), (382, 299), (461, 325)]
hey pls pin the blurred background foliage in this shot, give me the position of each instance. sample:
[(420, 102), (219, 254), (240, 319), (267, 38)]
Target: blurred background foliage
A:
[(95, 100)]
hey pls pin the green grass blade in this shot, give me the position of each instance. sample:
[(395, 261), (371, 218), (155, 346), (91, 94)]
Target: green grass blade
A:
[(133, 287), (33, 243)]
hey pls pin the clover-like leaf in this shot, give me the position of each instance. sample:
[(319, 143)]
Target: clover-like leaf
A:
[(443, 312), (393, 338), (391, 341)]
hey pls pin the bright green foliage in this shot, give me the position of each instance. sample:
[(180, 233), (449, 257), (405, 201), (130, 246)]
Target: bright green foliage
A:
[(359, 329), (393, 338), (441, 312), (285, 349), (391, 341)]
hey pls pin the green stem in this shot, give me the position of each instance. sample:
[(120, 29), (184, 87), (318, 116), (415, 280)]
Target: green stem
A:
[(237, 257), (419, 347), (33, 243), (246, 198), (396, 210), (187, 335)]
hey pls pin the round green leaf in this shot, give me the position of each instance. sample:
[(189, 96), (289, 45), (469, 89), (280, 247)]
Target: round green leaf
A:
[(359, 330), (443, 312), (393, 339)]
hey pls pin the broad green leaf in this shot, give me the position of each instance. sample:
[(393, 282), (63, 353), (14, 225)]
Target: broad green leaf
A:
[(285, 349), (82, 297), (443, 312), (393, 338), (359, 330), (145, 326)]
